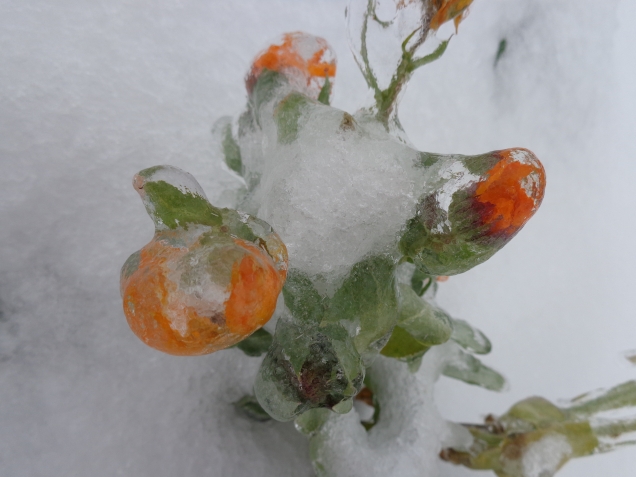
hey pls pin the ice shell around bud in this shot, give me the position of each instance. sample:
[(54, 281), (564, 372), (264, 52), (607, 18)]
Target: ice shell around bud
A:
[(209, 278), (199, 299), (512, 191), (479, 204), (308, 366), (307, 61)]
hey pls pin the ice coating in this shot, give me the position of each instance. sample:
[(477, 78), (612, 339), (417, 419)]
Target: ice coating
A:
[(535, 438), (369, 222), (351, 201), (475, 206), (209, 278), (408, 436), (339, 183), (307, 61)]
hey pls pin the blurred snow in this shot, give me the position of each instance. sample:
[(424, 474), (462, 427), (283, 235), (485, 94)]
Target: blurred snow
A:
[(93, 91)]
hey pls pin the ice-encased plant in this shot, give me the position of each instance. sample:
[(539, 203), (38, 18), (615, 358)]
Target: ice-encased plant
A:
[(355, 227)]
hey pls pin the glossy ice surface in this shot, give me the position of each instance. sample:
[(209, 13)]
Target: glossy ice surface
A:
[(209, 278), (371, 224)]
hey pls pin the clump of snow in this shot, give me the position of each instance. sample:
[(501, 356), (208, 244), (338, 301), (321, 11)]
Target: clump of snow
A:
[(544, 457), (335, 196), (409, 435)]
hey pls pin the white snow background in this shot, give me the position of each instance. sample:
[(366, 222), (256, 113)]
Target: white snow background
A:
[(93, 91)]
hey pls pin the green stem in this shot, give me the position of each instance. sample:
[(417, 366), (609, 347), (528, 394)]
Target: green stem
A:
[(368, 72), (386, 99)]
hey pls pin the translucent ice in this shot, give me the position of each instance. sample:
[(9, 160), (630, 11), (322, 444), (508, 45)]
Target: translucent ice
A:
[(535, 438), (351, 200), (408, 436), (209, 277)]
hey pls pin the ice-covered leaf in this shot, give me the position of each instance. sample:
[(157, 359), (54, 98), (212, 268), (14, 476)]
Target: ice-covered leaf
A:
[(229, 147), (621, 396), (424, 321), (287, 116), (402, 345), (173, 198), (311, 421), (368, 300), (302, 299), (465, 367), (469, 337), (308, 366), (256, 344), (249, 406)]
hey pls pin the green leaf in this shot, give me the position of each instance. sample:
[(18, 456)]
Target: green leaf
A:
[(465, 367), (231, 150), (536, 410), (249, 406), (403, 346), (421, 281), (439, 51), (256, 344), (469, 337), (302, 299), (425, 322), (175, 208), (325, 92), (311, 421), (368, 299), (265, 88), (501, 49), (287, 116), (621, 396)]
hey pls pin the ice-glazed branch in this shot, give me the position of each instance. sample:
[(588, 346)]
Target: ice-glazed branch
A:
[(536, 434), (364, 52), (386, 99)]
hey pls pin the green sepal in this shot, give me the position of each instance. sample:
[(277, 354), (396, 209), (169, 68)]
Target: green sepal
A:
[(268, 83), (325, 92), (287, 116), (255, 344), (403, 346), (130, 265), (421, 282), (249, 406)]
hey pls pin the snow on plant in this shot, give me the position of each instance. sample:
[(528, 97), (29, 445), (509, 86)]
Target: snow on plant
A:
[(355, 227)]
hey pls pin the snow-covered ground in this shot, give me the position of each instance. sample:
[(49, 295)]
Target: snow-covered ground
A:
[(93, 91)]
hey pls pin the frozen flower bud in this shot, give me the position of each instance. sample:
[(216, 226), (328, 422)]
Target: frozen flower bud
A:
[(209, 278), (308, 366), (472, 209), (446, 10), (307, 62)]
